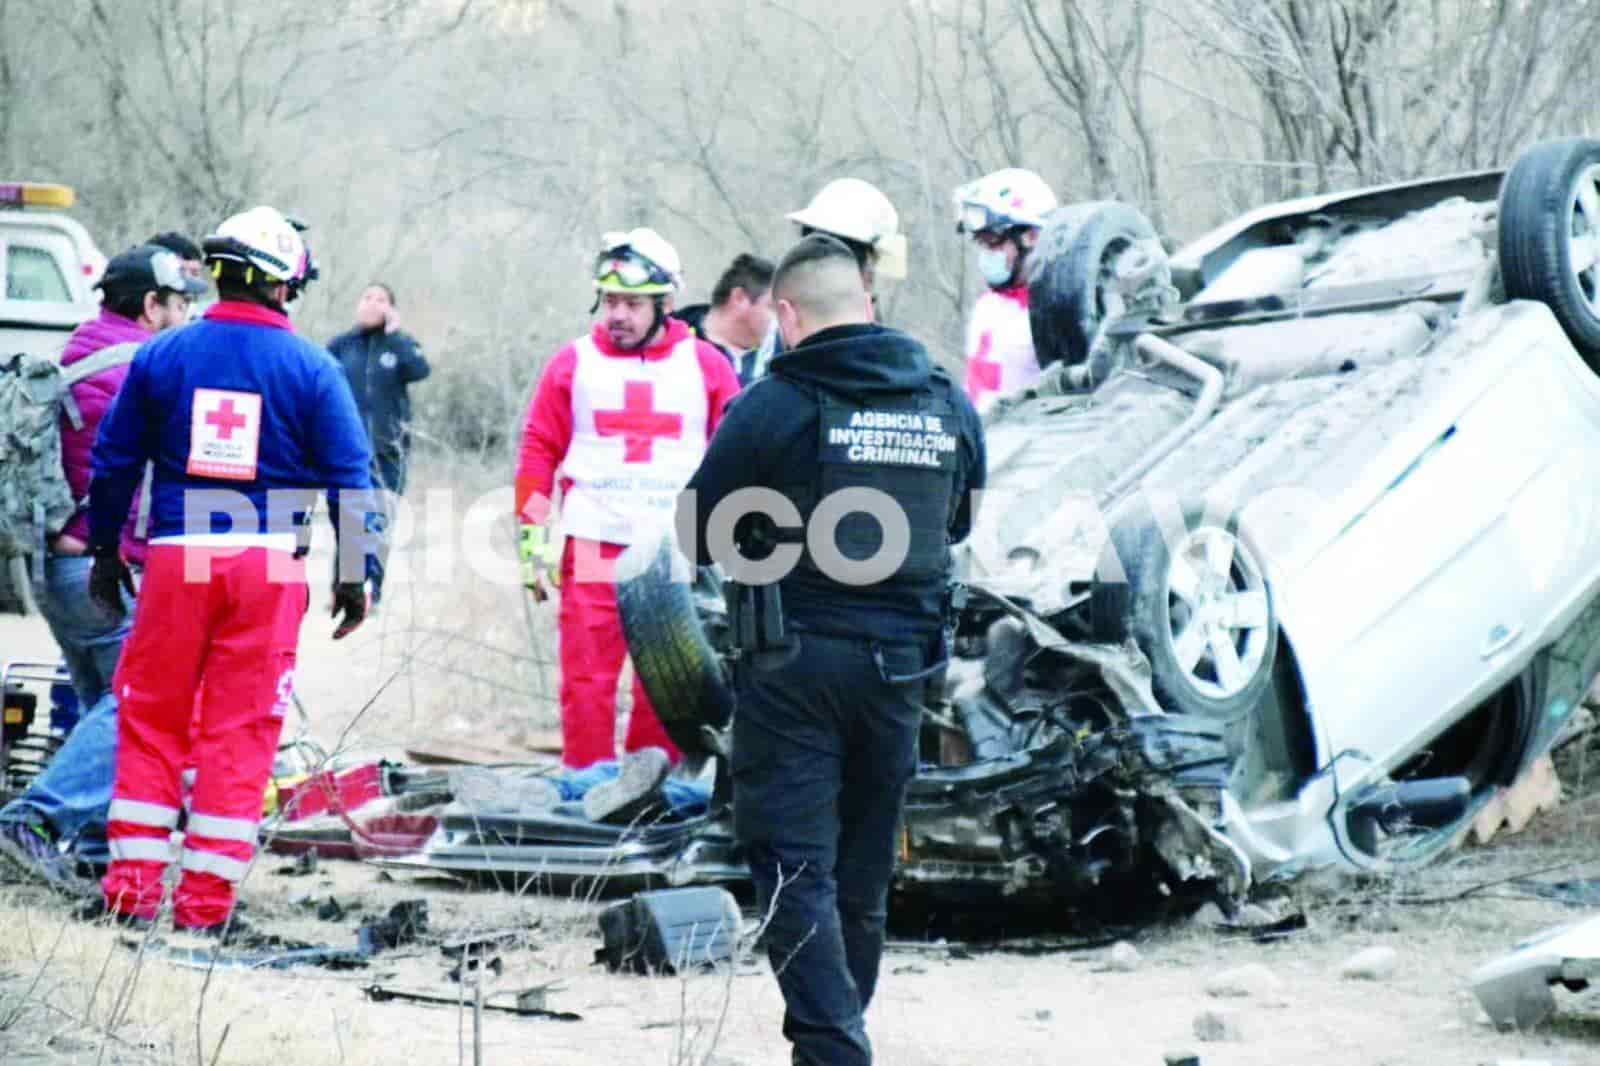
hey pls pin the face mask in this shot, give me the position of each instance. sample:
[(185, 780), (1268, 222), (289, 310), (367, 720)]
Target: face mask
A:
[(993, 266)]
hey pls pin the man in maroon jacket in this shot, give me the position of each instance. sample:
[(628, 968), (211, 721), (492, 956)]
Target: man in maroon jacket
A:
[(146, 291)]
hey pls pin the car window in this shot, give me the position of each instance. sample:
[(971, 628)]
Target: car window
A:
[(32, 274)]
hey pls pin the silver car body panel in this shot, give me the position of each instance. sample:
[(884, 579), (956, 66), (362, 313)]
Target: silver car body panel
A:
[(1515, 990)]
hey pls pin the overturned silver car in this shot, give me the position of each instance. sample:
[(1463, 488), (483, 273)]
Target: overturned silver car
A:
[(1291, 558)]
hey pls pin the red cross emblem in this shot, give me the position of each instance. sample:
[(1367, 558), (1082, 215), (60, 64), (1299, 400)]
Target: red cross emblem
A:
[(638, 423), (224, 434), (226, 419), (983, 373)]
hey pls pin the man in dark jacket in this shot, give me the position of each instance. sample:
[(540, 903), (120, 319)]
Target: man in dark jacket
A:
[(868, 458), (381, 362)]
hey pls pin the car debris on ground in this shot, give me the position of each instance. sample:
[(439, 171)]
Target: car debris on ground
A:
[(1517, 989)]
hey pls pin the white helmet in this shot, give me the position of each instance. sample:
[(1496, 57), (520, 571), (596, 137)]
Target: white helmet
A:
[(1006, 199), (640, 262), (260, 239), (858, 211)]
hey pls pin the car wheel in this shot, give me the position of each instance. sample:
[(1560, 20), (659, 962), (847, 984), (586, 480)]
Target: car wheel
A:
[(1071, 294), (1550, 236), (1195, 599), (672, 655)]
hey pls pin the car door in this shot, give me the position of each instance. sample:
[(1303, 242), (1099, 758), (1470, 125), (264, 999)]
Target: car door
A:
[(1439, 591)]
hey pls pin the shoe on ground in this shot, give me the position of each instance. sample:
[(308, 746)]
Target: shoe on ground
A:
[(635, 789), (29, 848)]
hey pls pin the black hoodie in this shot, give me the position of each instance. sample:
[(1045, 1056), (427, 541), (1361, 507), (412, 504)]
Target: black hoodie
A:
[(768, 438)]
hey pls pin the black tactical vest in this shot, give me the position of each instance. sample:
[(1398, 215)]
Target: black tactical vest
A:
[(905, 447)]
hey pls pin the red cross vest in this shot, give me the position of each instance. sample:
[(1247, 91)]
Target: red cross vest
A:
[(638, 434), (1000, 357)]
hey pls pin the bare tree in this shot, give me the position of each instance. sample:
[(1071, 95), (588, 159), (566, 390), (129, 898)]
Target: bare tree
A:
[(1094, 63)]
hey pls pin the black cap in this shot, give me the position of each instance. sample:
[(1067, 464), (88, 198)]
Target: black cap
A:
[(147, 268)]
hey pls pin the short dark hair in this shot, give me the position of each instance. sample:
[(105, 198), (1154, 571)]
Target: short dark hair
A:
[(815, 247), (748, 272), (862, 252), (820, 278), (129, 303), (178, 244), (387, 291)]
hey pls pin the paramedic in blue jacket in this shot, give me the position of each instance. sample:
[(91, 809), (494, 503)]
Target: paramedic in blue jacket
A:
[(243, 421), (868, 458)]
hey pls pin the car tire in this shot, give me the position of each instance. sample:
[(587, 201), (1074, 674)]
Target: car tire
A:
[(672, 655), (1069, 295), (1185, 598), (1549, 236)]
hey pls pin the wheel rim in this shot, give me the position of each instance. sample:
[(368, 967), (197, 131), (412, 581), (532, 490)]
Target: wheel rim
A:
[(1583, 237), (1107, 297), (1218, 613)]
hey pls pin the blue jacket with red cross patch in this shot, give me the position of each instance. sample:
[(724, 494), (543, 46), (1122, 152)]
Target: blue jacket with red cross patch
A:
[(229, 409)]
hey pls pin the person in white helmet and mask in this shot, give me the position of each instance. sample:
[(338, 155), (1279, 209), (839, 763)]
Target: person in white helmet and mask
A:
[(1003, 212), (242, 420), (620, 420)]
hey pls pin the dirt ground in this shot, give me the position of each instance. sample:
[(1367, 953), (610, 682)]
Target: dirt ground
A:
[(72, 993)]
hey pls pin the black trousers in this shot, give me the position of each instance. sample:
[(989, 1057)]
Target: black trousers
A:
[(823, 747)]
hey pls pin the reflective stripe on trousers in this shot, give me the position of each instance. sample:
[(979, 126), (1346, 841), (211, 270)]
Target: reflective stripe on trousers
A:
[(141, 849), (207, 862), (138, 812)]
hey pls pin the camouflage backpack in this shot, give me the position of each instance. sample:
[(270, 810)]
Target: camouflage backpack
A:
[(35, 499)]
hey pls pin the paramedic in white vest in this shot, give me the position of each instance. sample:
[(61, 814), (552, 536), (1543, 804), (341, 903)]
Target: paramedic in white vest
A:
[(1003, 212), (620, 420)]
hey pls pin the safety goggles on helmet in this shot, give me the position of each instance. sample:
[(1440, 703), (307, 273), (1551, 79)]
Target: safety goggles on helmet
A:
[(623, 269), (980, 218)]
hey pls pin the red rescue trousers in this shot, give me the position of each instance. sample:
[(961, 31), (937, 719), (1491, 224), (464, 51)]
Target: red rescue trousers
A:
[(592, 650), (228, 629)]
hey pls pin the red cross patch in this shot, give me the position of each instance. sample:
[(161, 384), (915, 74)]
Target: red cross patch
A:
[(224, 434)]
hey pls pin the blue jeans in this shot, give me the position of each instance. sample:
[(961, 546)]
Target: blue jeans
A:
[(823, 748), (75, 789), (687, 798), (388, 472), (90, 639)]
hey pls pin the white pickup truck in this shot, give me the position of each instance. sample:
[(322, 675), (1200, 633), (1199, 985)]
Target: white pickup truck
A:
[(48, 267)]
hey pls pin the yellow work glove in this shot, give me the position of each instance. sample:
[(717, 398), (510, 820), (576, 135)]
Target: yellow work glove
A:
[(541, 559)]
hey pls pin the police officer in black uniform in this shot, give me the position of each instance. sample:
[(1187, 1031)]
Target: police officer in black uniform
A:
[(868, 458)]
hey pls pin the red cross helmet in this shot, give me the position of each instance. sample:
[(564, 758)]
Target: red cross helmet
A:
[(639, 262), (260, 239), (1006, 199)]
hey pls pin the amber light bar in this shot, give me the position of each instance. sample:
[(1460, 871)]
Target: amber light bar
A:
[(35, 194)]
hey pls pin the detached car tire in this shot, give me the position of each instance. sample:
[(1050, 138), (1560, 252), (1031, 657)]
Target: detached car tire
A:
[(672, 655), (1070, 295), (1196, 602), (1550, 236)]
